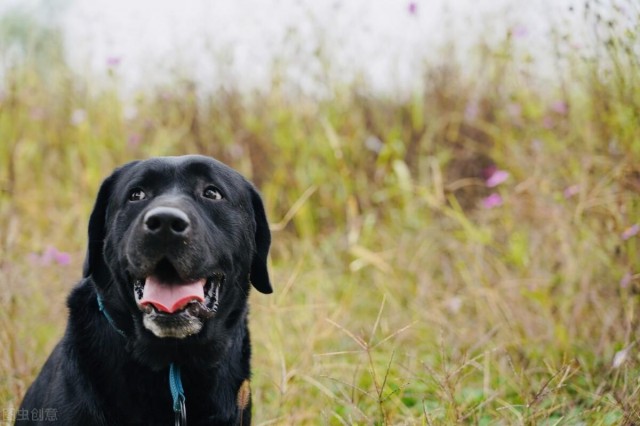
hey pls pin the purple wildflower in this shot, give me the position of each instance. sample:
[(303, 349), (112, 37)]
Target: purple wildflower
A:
[(572, 190), (472, 110), (496, 178), (514, 110), (493, 200), (37, 113), (62, 258), (537, 145), (560, 107), (51, 255), (134, 140), (631, 231), (626, 280), (519, 31), (113, 61), (413, 8)]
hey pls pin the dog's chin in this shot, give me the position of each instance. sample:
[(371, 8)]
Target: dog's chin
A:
[(187, 322)]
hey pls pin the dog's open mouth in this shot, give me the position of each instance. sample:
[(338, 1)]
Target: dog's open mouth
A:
[(153, 294), (177, 308)]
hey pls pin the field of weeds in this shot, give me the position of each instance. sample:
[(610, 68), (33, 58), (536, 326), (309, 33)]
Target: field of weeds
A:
[(468, 255)]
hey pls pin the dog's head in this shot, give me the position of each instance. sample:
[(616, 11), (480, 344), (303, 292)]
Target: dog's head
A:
[(174, 243)]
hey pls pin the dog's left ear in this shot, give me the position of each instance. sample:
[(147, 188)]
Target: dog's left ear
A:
[(259, 275), (93, 260)]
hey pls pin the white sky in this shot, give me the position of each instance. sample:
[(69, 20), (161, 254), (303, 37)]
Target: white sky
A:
[(218, 42)]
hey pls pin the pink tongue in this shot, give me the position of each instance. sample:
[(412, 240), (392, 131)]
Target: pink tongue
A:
[(171, 297)]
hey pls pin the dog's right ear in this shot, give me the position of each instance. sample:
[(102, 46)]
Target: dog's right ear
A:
[(94, 258)]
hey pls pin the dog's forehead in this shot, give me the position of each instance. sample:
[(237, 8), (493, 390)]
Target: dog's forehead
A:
[(171, 168)]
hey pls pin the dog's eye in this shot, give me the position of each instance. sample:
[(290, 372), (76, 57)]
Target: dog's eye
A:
[(212, 192), (137, 195)]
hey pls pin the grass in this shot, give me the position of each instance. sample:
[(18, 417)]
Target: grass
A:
[(399, 298)]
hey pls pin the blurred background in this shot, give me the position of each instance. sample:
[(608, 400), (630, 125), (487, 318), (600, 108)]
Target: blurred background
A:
[(452, 188)]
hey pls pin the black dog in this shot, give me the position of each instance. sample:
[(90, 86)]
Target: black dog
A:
[(157, 331)]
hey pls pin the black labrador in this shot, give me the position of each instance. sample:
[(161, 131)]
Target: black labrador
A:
[(157, 330)]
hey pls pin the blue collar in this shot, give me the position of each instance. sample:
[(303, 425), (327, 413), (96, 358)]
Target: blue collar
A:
[(108, 317)]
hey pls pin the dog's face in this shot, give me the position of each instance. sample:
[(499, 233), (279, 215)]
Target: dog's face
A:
[(176, 242)]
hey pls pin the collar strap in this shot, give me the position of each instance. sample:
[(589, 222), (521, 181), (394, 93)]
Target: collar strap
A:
[(175, 378), (177, 393), (109, 317)]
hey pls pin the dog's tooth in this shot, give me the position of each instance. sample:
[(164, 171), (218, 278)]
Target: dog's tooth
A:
[(217, 298), (138, 289)]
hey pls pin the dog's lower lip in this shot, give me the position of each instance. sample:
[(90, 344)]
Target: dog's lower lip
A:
[(191, 307)]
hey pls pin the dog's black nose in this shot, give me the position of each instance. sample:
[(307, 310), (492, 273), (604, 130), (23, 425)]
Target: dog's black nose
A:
[(166, 221)]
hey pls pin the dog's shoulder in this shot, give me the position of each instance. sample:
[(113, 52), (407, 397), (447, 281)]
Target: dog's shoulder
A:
[(60, 393)]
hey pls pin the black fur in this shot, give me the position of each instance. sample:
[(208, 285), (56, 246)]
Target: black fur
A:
[(95, 376)]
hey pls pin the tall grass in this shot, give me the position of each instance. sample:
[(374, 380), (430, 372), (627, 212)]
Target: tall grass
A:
[(407, 289)]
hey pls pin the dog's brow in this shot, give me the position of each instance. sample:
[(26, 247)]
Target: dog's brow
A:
[(198, 169), (151, 175)]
